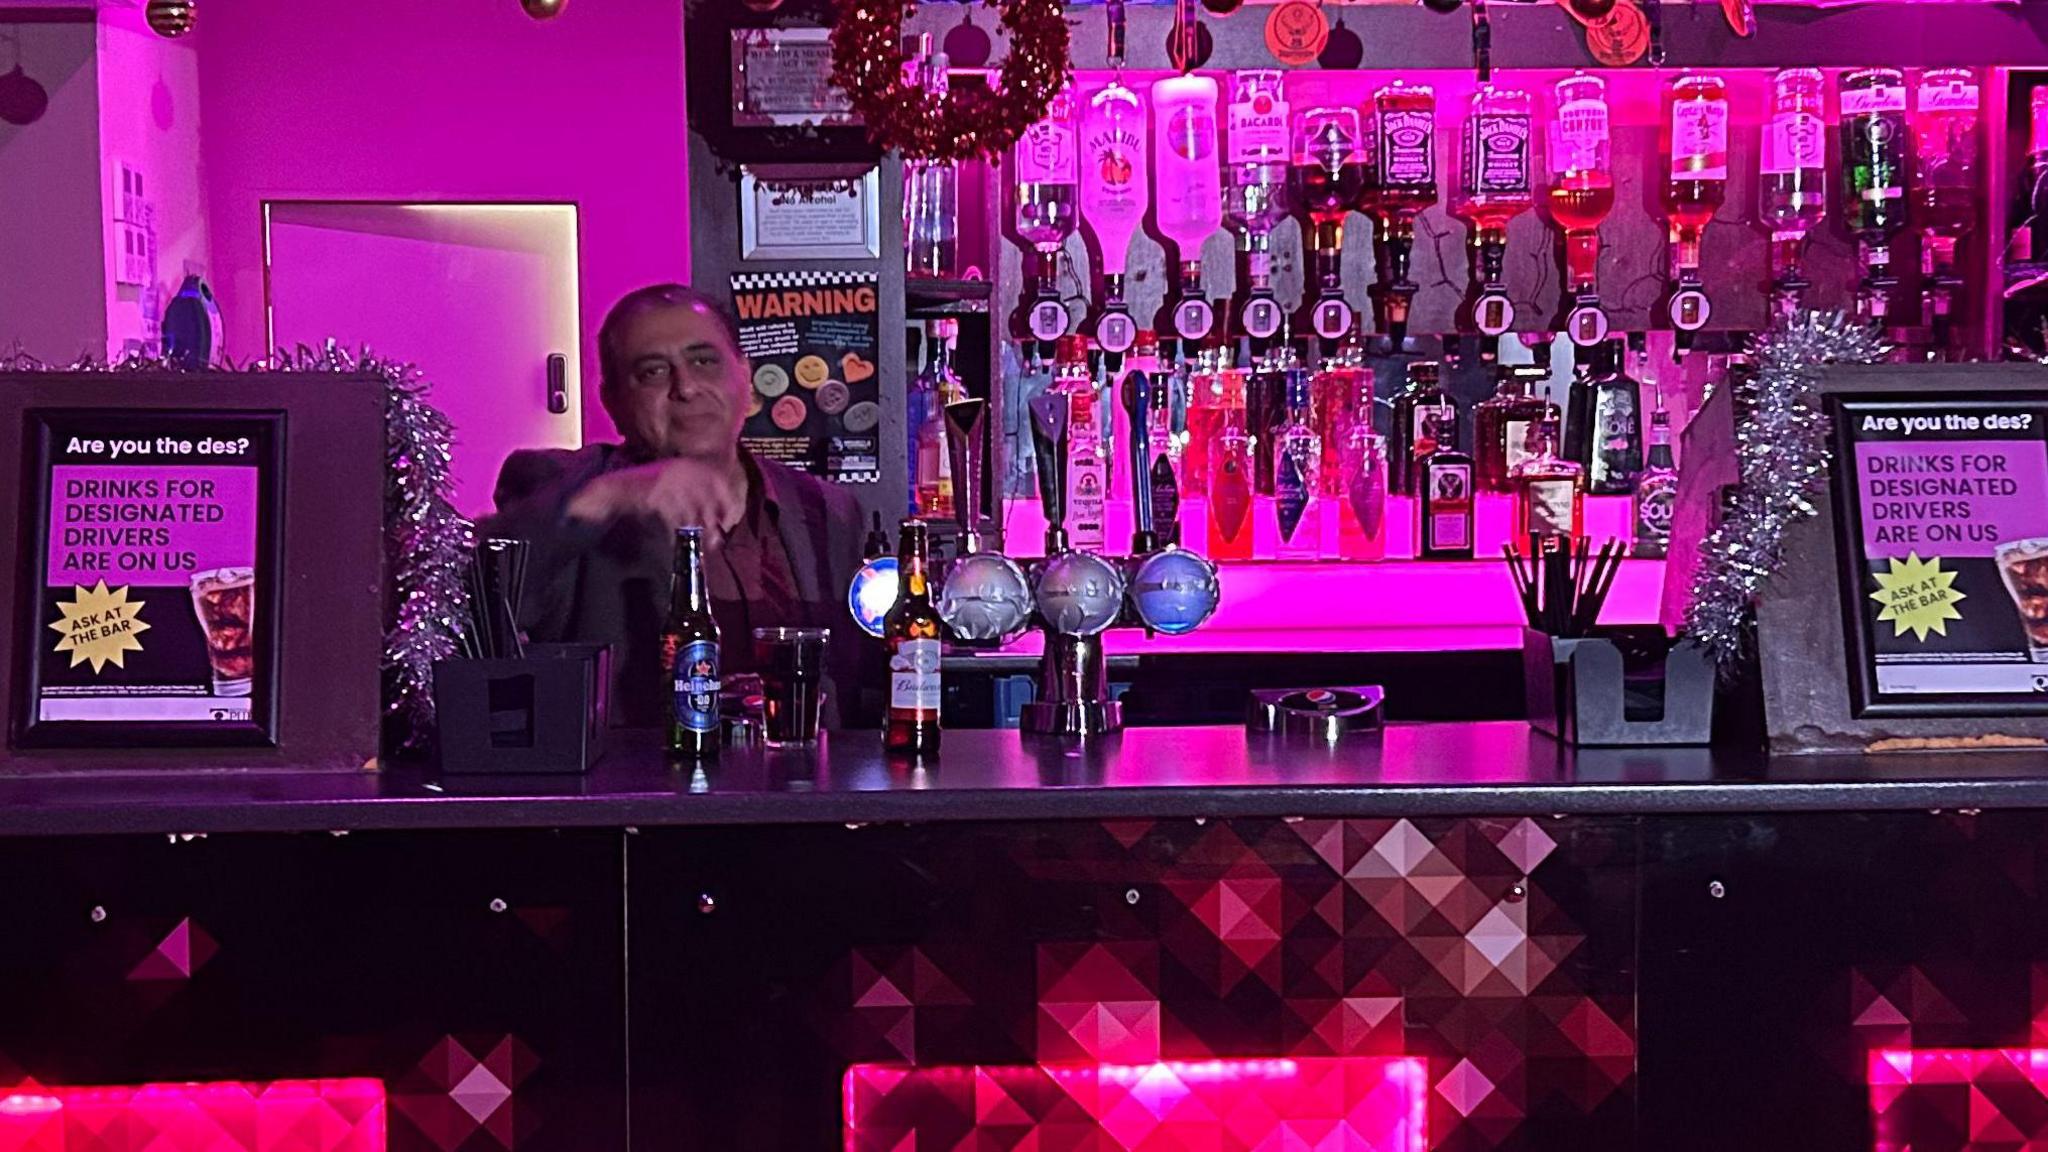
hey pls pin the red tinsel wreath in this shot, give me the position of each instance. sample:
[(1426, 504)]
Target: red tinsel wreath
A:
[(867, 63)]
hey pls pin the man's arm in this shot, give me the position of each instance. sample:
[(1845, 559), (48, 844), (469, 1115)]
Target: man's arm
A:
[(532, 496)]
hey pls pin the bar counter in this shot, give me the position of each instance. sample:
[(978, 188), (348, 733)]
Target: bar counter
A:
[(1408, 770)]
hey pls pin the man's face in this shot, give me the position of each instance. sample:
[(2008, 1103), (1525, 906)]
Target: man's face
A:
[(685, 386)]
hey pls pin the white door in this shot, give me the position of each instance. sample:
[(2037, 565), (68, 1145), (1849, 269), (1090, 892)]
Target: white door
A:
[(482, 297)]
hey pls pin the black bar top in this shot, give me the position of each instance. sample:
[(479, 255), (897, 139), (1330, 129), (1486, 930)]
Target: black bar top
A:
[(1407, 770)]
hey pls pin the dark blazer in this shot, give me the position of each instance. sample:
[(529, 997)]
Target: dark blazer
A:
[(609, 583)]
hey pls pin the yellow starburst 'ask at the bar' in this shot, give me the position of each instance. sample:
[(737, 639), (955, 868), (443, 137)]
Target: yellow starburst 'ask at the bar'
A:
[(1918, 597), (99, 625)]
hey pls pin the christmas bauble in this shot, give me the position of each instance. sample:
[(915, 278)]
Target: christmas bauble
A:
[(1080, 593), (23, 99), (763, 5), (1441, 5), (985, 597), (1592, 9), (1174, 591), (1222, 7), (171, 18), (543, 9)]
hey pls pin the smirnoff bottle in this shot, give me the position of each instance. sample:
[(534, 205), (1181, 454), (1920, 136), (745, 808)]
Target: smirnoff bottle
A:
[(1188, 195), (1297, 483), (1656, 493), (1048, 176), (1873, 130), (1113, 199), (1255, 193)]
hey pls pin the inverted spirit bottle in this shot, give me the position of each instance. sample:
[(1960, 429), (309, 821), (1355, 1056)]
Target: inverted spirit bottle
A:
[(1495, 185), (1581, 195), (1255, 194), (1188, 196), (1501, 425), (1873, 130), (1696, 142), (1329, 178), (931, 188), (1656, 494), (1297, 480), (1792, 193), (1404, 185), (1113, 167), (1944, 185), (1550, 491), (1423, 410), (1362, 502), (1047, 193), (1087, 467)]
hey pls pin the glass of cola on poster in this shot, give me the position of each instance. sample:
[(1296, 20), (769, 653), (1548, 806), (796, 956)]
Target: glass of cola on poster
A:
[(225, 600), (2024, 565)]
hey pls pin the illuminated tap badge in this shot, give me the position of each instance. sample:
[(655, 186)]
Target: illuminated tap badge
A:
[(1332, 319), (1261, 317)]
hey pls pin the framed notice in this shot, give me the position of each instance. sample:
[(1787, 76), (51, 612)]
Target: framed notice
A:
[(152, 568), (783, 77), (815, 341), (807, 212), (1941, 504)]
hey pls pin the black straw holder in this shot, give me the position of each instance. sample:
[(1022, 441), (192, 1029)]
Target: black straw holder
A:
[(542, 713), (1620, 687)]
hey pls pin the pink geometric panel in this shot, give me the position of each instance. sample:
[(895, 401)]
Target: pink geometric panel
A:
[(1355, 1104), (230, 1116), (1967, 1099)]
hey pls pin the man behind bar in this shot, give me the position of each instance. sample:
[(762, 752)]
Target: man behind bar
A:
[(602, 519)]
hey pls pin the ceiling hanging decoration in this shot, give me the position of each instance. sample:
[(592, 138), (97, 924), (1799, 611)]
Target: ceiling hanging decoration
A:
[(964, 122), (172, 18), (543, 9)]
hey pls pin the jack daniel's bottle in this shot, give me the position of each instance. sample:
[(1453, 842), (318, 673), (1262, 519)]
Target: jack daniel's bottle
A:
[(689, 653)]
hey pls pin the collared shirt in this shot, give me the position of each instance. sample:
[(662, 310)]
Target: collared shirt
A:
[(751, 581)]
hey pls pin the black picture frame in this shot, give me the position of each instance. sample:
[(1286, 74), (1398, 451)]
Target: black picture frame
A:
[(266, 429), (1867, 698)]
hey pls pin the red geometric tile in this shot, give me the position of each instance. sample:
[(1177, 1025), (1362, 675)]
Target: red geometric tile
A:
[(1972, 1100), (284, 1116)]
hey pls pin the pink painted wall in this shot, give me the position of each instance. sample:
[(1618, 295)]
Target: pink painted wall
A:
[(449, 100)]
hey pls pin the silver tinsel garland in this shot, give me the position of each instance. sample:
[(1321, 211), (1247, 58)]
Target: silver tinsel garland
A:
[(1781, 437), (426, 541)]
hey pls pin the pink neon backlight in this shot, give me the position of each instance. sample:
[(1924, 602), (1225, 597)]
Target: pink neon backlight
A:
[(1927, 1097), (1371, 1104), (226, 1116)]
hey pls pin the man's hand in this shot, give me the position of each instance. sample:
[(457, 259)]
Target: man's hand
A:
[(676, 493)]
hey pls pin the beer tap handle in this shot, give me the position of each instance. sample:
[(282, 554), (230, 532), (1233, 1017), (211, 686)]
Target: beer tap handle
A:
[(1049, 443), (965, 421), (1138, 399)]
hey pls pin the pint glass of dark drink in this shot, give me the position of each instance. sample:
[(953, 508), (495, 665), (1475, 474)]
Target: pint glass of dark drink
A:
[(225, 599), (792, 666), (2024, 564)]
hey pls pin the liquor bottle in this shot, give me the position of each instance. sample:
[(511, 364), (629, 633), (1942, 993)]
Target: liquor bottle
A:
[(1422, 407), (1048, 175), (1113, 199), (931, 188), (1342, 395), (1495, 185), (1297, 480), (1265, 410), (1330, 174), (1944, 183), (1230, 491), (911, 631), (1255, 193), (1163, 475), (1444, 506), (1605, 435), (1087, 475), (937, 386), (1792, 195), (1550, 491), (2037, 171), (1656, 493), (1204, 418), (1581, 195), (1188, 194), (1362, 505), (1404, 185), (1501, 424), (1696, 140), (689, 653), (1873, 131)]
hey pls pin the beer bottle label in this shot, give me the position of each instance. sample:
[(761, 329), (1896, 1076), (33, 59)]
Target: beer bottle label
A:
[(914, 677), (696, 685)]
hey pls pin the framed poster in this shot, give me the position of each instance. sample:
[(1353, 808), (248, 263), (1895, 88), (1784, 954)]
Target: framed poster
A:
[(151, 577), (810, 212), (1941, 513), (783, 77), (815, 340)]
